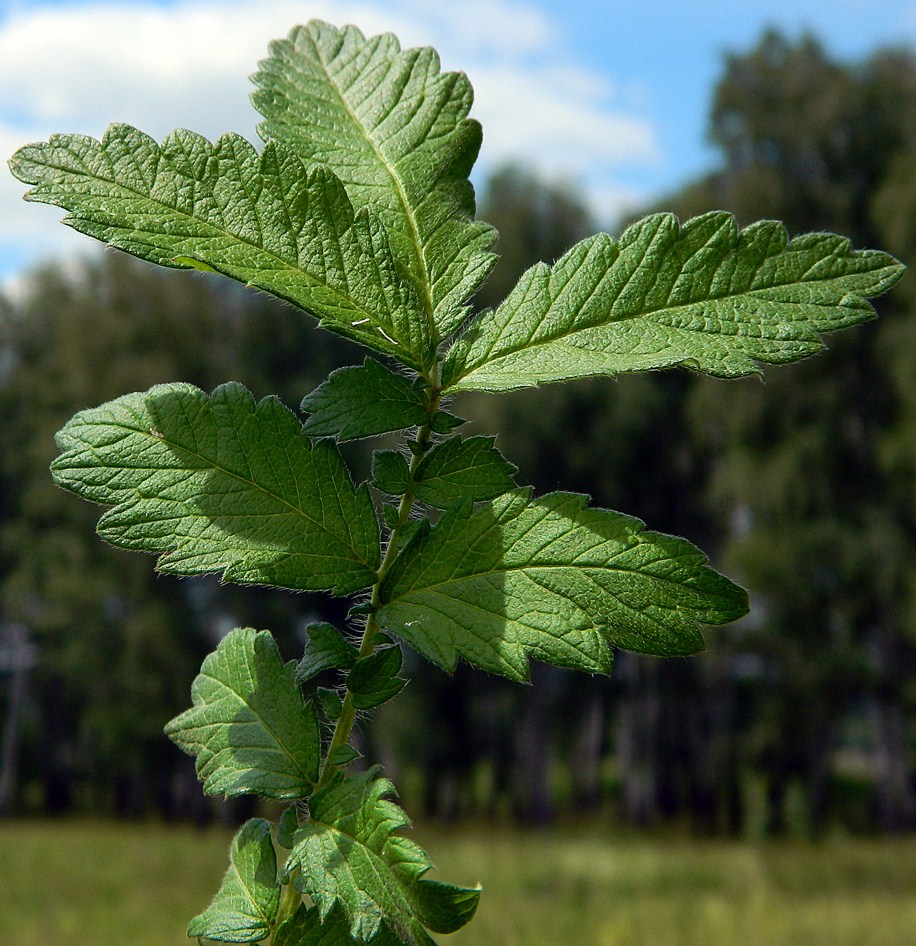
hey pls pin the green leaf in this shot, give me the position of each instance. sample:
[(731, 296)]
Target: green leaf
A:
[(362, 401), (554, 579), (379, 879), (306, 928), (374, 679), (408, 530), (444, 423), (249, 727), (390, 474), (326, 649), (395, 129), (243, 910), (261, 219), (444, 908), (389, 513), (342, 755), (331, 703), (702, 295), (361, 610), (459, 469), (288, 825), (219, 483)]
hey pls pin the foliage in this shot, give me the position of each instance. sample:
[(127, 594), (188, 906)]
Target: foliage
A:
[(358, 210)]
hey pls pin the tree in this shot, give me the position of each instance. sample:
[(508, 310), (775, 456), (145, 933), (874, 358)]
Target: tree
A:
[(117, 647), (824, 145)]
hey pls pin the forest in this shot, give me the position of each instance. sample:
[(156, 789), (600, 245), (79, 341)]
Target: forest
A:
[(799, 719)]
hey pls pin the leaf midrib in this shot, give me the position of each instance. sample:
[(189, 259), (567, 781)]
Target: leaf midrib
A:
[(436, 587), (397, 184)]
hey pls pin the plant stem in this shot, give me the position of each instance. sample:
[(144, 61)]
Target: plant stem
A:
[(347, 718)]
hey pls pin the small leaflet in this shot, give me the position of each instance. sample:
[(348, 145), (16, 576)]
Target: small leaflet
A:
[(362, 401), (249, 728), (330, 702), (243, 910), (463, 469), (444, 423), (390, 472), (343, 755), (374, 679), (326, 649), (288, 825)]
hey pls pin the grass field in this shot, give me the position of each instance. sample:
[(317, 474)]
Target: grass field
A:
[(82, 884)]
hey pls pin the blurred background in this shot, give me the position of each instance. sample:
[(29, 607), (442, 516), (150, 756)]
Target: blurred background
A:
[(777, 771)]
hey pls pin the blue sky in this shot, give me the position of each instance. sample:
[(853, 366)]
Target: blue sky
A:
[(612, 96)]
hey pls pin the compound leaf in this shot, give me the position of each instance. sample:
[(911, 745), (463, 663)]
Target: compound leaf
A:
[(702, 295), (378, 883), (221, 483), (395, 129), (554, 579), (361, 401), (457, 469), (249, 727), (243, 910), (261, 219)]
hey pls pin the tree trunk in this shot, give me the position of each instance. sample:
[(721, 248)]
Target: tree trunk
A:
[(588, 745), (18, 656), (894, 795), (534, 802), (637, 745), (9, 754)]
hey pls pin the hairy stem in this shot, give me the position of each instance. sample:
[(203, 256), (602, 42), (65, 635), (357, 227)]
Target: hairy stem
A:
[(347, 718)]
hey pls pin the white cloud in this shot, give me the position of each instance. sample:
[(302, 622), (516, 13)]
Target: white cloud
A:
[(559, 119), (77, 68), (28, 231), (91, 63), (483, 27)]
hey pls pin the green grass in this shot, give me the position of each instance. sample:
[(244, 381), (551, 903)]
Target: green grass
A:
[(76, 884)]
